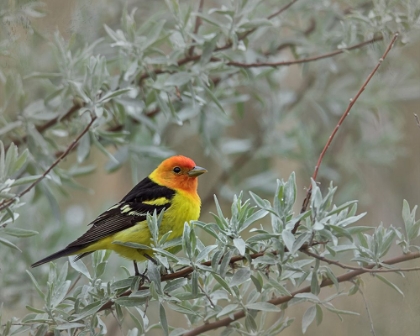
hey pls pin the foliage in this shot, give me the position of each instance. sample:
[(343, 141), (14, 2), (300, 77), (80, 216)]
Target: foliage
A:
[(144, 80)]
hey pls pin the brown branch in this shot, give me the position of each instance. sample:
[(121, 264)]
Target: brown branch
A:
[(340, 122), (299, 61), (364, 269), (283, 299), (6, 203), (198, 22)]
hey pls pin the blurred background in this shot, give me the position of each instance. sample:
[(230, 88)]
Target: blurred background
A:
[(275, 121)]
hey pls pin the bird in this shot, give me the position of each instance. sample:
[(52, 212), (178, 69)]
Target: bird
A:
[(171, 187)]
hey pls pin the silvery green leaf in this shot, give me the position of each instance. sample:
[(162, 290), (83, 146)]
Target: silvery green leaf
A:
[(17, 232), (228, 309), (319, 314), (130, 301), (21, 160), (104, 150), (10, 126), (108, 96), (224, 265), (208, 49), (203, 255), (178, 79), (79, 90), (80, 267), (183, 310), (38, 289), (213, 98), (175, 284), (83, 149), (351, 220), (332, 309), (163, 320), (341, 208), (177, 332), (240, 245), (88, 310), (308, 297), (390, 284), (250, 323), (42, 330), (300, 240), (60, 293), (263, 306), (9, 244), (253, 218), (154, 275), (136, 321), (240, 276), (25, 180), (308, 318), (288, 239), (222, 282), (66, 326), (194, 283)]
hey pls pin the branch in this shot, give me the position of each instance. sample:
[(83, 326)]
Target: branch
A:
[(299, 61), (6, 203), (364, 269), (283, 299), (343, 117)]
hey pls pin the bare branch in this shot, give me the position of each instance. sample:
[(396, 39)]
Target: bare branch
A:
[(6, 203), (372, 328), (340, 122), (364, 269), (299, 61)]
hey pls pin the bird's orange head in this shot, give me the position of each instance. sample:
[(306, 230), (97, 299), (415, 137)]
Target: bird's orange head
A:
[(178, 173)]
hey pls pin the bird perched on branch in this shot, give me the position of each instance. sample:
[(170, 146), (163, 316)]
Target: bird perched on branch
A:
[(171, 187)]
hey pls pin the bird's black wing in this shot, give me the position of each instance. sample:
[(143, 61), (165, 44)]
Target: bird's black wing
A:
[(132, 209)]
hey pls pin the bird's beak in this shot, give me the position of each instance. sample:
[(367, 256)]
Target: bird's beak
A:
[(197, 171)]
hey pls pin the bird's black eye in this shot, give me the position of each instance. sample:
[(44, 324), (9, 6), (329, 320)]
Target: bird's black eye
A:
[(177, 170)]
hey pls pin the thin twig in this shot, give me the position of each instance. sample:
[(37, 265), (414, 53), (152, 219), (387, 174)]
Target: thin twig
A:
[(372, 328), (283, 299), (6, 203), (355, 268), (299, 61), (340, 122)]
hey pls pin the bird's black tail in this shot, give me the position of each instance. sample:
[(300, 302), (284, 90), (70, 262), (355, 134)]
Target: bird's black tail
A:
[(63, 253)]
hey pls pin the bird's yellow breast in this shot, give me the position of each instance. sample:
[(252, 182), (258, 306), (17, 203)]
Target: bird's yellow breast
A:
[(184, 208)]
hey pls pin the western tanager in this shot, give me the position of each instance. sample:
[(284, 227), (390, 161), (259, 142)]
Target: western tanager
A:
[(171, 187)]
